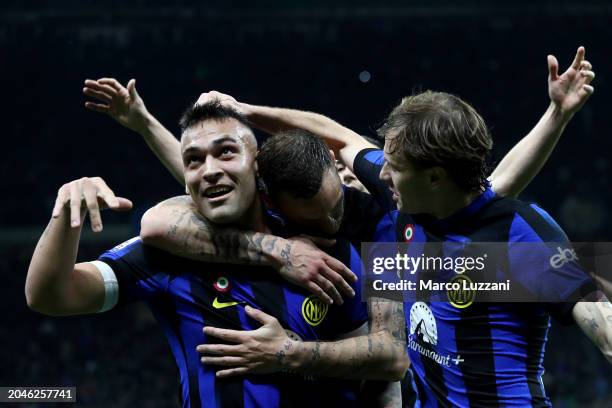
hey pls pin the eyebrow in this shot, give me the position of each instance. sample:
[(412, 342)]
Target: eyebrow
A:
[(223, 140), (215, 143)]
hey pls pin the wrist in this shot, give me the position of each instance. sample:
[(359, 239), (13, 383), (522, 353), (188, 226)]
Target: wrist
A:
[(245, 109), (557, 113), (146, 125), (277, 254)]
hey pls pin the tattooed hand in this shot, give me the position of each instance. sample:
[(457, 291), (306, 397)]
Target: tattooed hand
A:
[(305, 265), (258, 351)]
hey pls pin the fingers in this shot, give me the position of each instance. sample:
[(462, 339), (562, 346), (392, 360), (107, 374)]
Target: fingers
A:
[(588, 76), (91, 200), (260, 316), (75, 204), (219, 349), (578, 58), (123, 204), (97, 107), (61, 199), (131, 87), (588, 89), (342, 269), (101, 96), (338, 282), (330, 289), (112, 82), (95, 194), (234, 336), (228, 361), (553, 68), (96, 86), (232, 372), (586, 65), (319, 292)]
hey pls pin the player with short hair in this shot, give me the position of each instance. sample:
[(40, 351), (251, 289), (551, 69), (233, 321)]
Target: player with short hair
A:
[(218, 152), (440, 194)]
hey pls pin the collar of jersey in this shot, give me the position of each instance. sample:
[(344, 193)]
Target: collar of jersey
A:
[(482, 200)]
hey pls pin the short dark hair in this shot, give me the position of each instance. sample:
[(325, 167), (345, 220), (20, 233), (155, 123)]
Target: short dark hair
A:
[(440, 129), (294, 162), (213, 110)]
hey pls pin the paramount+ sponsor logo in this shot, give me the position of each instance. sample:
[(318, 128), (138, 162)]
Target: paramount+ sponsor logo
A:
[(314, 310), (562, 257)]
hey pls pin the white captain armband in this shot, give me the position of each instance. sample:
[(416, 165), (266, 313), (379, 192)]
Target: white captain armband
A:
[(111, 286)]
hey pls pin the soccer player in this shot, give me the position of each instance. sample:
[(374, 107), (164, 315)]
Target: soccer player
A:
[(218, 151), (550, 130), (435, 164)]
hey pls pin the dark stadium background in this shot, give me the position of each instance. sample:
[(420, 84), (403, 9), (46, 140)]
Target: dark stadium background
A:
[(303, 54)]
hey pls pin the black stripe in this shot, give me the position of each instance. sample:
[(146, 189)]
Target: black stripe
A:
[(269, 295), (475, 345), (536, 337)]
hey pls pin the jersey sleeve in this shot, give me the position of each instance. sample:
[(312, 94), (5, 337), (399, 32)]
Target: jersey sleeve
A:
[(134, 266), (353, 313), (367, 166), (542, 260), (362, 217)]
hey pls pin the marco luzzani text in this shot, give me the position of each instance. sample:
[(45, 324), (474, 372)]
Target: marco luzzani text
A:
[(400, 264)]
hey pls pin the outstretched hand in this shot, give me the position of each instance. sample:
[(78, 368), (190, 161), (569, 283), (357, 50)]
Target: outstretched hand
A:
[(570, 90), (121, 103), (89, 193)]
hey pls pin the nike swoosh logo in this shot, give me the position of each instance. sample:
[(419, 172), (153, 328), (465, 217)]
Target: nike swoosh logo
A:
[(221, 305)]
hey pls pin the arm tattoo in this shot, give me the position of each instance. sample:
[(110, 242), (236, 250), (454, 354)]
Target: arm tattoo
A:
[(316, 355)]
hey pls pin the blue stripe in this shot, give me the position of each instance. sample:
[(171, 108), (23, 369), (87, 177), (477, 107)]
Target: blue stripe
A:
[(191, 325), (510, 355), (176, 348), (376, 157), (260, 394)]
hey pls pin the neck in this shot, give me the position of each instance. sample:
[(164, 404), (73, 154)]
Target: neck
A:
[(451, 201), (253, 218)]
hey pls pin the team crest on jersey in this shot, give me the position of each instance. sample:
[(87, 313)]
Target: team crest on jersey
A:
[(314, 310), (222, 284), (461, 298), (409, 233)]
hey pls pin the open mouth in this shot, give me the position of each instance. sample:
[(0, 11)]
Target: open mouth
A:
[(217, 191)]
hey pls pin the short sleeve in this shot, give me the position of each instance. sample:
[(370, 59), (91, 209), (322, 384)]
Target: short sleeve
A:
[(542, 260), (134, 266), (367, 166)]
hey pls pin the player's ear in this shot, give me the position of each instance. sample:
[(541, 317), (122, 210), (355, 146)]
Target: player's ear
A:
[(437, 175), (333, 155)]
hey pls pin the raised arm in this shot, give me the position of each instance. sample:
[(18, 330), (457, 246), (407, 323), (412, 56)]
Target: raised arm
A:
[(594, 316), (175, 226), (345, 143), (54, 284), (127, 107), (568, 92), (380, 355)]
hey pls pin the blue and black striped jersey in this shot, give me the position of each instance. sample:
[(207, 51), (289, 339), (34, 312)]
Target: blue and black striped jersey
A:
[(486, 354), (185, 296)]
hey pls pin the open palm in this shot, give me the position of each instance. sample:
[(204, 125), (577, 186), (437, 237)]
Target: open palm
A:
[(570, 90), (121, 103)]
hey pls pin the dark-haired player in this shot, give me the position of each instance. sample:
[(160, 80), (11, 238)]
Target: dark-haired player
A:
[(218, 152), (435, 159)]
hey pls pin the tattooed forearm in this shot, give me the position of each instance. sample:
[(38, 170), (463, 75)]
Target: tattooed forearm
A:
[(379, 355), (190, 235), (595, 320)]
